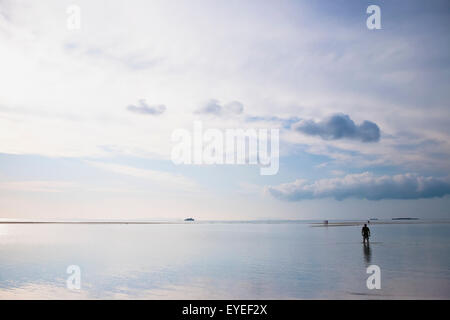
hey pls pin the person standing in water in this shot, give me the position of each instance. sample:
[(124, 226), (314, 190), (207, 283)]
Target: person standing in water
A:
[(365, 233)]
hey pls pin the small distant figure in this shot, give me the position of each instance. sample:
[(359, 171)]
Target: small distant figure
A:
[(325, 222), (365, 233)]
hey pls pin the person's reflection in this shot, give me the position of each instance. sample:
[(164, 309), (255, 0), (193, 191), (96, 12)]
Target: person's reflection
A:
[(367, 253)]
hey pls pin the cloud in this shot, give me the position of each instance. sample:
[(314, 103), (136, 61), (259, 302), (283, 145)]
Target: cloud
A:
[(364, 186), (158, 177), (284, 122), (144, 108), (403, 76), (213, 107), (340, 126), (52, 186), (37, 186)]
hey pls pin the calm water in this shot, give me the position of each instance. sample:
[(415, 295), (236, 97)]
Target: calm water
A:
[(229, 261)]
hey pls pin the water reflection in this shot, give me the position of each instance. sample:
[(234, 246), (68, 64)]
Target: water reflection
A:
[(367, 253), (220, 261)]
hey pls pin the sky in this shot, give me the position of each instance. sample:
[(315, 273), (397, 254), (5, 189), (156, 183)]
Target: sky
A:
[(87, 114)]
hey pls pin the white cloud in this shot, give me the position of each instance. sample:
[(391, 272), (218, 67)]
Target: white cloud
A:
[(38, 186), (159, 177), (364, 186)]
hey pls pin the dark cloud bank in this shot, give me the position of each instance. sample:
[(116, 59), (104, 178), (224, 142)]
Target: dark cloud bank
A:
[(144, 108), (339, 126), (364, 186)]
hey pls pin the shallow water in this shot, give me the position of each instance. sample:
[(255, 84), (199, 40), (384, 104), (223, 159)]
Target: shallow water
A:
[(224, 261)]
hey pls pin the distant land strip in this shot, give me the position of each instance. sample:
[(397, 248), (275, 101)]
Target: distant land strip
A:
[(312, 224), (90, 222)]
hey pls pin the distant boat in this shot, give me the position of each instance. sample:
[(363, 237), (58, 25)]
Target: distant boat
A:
[(189, 219)]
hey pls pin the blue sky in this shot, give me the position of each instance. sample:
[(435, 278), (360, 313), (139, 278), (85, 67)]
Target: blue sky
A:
[(86, 116)]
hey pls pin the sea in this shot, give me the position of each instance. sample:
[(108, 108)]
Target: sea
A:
[(225, 260)]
